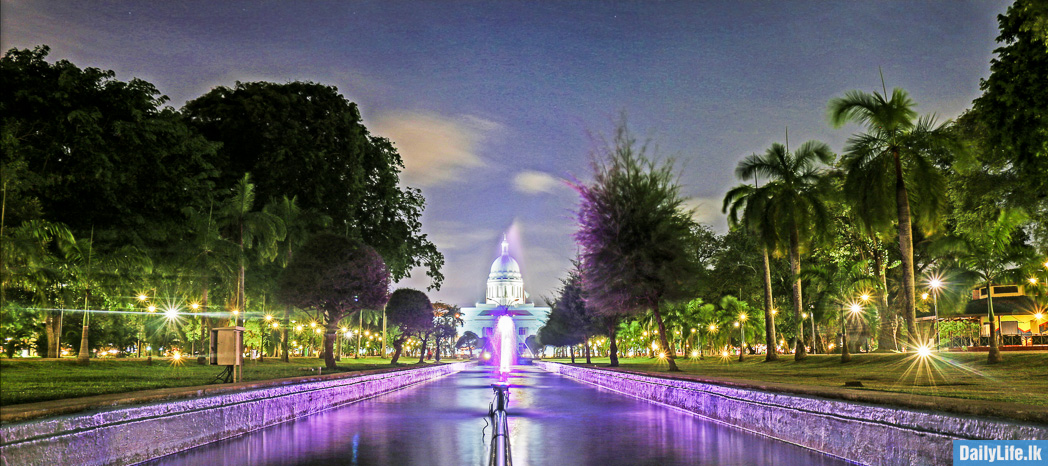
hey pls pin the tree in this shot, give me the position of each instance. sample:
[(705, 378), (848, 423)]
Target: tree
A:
[(249, 229), (298, 224), (305, 139), (468, 340), (411, 311), (98, 154), (446, 321), (577, 320), (991, 250), (335, 276), (790, 209), (893, 158), (735, 200), (633, 231)]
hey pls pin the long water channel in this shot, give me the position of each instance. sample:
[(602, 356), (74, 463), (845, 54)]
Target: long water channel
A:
[(553, 420)]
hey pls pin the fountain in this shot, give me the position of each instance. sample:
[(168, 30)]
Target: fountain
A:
[(506, 351)]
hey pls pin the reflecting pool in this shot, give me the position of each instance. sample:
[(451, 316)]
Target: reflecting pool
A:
[(553, 420)]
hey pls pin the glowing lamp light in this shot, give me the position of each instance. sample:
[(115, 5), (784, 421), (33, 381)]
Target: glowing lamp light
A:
[(724, 354), (171, 313), (736, 324), (924, 296), (774, 311), (935, 283), (485, 356), (298, 328), (804, 315), (662, 355), (276, 325), (176, 356), (269, 317), (713, 327), (865, 297), (1038, 316), (151, 308), (855, 309), (742, 317), (694, 354), (654, 346), (142, 297), (1033, 280), (236, 312), (924, 351), (313, 325)]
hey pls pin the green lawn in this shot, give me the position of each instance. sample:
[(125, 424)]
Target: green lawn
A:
[(1021, 378), (31, 380)]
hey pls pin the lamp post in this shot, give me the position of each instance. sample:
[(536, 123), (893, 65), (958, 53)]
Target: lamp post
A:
[(935, 283)]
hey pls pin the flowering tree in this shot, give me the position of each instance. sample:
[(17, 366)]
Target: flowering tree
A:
[(335, 276)]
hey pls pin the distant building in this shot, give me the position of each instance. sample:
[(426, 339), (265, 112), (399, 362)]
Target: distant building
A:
[(505, 295)]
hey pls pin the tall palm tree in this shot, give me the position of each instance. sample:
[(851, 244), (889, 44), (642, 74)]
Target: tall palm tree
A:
[(790, 208), (893, 158), (250, 229), (210, 256), (837, 284), (735, 200), (298, 224)]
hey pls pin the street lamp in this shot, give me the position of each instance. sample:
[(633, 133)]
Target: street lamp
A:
[(935, 283)]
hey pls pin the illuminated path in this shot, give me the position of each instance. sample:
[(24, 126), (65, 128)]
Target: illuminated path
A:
[(553, 421)]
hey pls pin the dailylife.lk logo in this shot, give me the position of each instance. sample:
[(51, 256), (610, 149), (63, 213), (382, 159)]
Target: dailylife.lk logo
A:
[(1000, 452)]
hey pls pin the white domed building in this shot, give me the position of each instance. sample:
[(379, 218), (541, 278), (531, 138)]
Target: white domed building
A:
[(505, 295)]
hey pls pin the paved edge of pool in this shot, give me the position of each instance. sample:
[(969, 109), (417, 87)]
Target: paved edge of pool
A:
[(136, 427), (860, 432)]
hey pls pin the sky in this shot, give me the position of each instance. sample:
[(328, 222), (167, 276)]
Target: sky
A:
[(493, 105)]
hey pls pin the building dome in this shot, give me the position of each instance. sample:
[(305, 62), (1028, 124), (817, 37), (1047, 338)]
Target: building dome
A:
[(505, 282)]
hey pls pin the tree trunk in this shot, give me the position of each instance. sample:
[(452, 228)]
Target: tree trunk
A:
[(436, 352), (398, 345), (909, 298), (84, 355), (994, 356), (422, 350), (613, 349), (769, 319), (572, 348), (670, 356), (845, 352), (885, 337), (285, 354), (588, 361), (329, 345), (798, 306), (53, 327), (360, 333)]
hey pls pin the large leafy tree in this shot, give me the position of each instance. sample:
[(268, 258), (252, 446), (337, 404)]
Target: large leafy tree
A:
[(305, 139), (891, 173), (789, 210), (634, 233), (97, 153), (411, 311), (249, 229), (334, 276)]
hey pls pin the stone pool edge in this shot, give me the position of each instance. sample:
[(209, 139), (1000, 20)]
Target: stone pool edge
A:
[(864, 433), (129, 434)]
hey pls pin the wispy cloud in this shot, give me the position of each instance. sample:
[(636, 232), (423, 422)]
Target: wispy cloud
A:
[(707, 210), (436, 148), (536, 182)]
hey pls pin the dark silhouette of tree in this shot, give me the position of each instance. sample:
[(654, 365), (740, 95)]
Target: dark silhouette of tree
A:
[(411, 311), (306, 140), (468, 340), (334, 276), (634, 233)]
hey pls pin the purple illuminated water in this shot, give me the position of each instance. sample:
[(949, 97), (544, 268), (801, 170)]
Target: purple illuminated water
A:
[(553, 420)]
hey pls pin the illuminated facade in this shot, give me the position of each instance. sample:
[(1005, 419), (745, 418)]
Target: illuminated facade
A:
[(505, 295)]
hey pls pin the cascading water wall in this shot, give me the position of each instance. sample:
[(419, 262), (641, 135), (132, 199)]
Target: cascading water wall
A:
[(505, 333)]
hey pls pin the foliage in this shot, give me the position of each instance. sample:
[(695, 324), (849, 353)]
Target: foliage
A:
[(411, 311), (634, 232), (306, 140), (335, 276)]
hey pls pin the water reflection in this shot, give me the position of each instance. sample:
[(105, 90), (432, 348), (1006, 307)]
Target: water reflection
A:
[(552, 420)]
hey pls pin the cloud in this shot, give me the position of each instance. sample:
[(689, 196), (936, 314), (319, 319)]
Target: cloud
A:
[(706, 210), (436, 148), (535, 182)]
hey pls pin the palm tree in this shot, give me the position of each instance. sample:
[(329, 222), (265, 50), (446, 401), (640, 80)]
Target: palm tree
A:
[(211, 256), (990, 253), (838, 284), (249, 229), (735, 200), (893, 158), (790, 208), (298, 224)]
